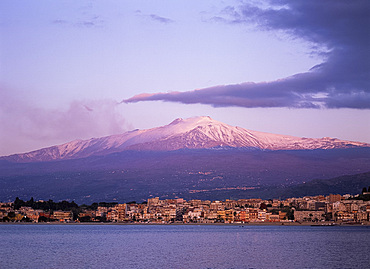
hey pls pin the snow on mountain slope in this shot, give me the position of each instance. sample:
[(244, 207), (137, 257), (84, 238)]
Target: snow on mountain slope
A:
[(197, 132)]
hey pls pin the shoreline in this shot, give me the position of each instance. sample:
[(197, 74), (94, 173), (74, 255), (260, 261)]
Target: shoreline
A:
[(313, 224)]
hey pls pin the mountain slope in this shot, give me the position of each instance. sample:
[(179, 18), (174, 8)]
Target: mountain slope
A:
[(192, 133), (348, 184), (190, 173)]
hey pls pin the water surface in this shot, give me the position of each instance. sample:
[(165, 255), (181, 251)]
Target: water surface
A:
[(183, 246)]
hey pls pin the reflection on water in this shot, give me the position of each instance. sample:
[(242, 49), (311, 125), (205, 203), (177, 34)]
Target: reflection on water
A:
[(183, 246)]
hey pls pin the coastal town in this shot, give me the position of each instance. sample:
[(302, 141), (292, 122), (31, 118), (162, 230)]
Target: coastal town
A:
[(331, 209)]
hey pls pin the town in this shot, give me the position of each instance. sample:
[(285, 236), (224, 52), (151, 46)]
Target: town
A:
[(332, 209)]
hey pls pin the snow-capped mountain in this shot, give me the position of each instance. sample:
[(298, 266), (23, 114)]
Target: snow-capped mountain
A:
[(192, 133)]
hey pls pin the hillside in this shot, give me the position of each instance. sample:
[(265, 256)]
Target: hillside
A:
[(192, 173)]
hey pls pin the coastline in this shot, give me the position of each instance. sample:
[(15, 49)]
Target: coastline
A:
[(315, 224)]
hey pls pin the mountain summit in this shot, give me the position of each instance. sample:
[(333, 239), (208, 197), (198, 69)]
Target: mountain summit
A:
[(192, 133)]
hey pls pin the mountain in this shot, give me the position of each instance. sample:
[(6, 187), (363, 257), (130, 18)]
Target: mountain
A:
[(192, 133), (195, 158)]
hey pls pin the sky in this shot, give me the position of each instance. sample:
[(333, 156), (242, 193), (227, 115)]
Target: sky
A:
[(81, 69)]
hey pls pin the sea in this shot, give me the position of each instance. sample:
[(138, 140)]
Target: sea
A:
[(183, 246)]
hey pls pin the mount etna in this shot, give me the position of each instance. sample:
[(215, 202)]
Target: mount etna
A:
[(190, 158)]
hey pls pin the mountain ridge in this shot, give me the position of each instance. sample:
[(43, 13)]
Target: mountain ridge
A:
[(191, 133)]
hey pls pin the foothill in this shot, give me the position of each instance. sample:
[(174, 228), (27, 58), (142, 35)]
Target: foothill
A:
[(332, 209)]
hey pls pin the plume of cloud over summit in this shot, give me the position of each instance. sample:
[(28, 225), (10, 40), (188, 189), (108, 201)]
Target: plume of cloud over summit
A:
[(339, 28), (27, 126)]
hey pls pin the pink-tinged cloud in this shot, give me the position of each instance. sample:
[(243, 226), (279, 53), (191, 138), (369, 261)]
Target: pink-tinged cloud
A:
[(341, 27), (26, 126)]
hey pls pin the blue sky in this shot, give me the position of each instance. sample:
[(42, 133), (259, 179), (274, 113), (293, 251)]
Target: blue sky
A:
[(297, 68)]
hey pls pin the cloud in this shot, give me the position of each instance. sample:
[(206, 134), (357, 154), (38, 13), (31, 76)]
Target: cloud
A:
[(337, 29), (160, 19), (85, 17), (59, 21), (155, 17), (26, 126), (92, 21), (88, 22)]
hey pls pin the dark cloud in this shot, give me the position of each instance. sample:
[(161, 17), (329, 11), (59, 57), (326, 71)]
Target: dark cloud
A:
[(337, 29)]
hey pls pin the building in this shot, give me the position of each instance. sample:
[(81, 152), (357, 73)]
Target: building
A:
[(63, 215), (309, 215)]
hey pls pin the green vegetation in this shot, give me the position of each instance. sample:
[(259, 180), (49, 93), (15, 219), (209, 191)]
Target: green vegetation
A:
[(365, 195), (45, 205)]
